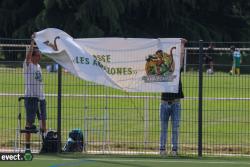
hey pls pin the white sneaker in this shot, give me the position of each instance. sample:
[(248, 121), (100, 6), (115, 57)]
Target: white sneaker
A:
[(163, 152), (174, 153)]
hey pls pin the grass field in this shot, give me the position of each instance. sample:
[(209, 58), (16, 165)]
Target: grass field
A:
[(128, 121), (58, 160)]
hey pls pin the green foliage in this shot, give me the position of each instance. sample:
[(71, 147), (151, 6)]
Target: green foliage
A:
[(221, 20)]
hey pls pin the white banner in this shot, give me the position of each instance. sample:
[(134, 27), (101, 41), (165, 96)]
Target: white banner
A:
[(130, 64)]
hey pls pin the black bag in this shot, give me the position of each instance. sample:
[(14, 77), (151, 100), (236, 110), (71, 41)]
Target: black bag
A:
[(50, 142), (75, 142)]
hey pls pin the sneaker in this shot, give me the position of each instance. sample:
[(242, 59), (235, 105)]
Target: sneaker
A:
[(174, 153), (27, 150), (31, 129), (163, 152)]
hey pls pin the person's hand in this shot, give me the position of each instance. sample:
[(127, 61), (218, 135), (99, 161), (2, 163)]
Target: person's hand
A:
[(183, 41), (33, 36), (32, 40)]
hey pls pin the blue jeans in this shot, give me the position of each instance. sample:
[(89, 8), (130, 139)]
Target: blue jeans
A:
[(166, 111)]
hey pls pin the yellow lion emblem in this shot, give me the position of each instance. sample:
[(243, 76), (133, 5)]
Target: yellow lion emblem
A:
[(160, 63)]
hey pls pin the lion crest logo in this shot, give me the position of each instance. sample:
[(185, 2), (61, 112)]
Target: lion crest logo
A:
[(160, 66)]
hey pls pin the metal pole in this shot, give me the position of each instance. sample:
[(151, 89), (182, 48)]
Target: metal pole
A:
[(85, 123), (146, 121), (104, 128), (106, 137), (59, 108), (200, 99)]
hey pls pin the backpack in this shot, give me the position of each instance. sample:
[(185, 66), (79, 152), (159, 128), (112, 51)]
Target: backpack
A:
[(50, 142), (75, 142)]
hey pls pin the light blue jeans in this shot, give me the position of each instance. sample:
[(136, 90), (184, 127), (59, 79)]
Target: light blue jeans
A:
[(166, 111)]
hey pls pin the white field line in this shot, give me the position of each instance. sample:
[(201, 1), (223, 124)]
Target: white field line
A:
[(151, 160), (122, 96)]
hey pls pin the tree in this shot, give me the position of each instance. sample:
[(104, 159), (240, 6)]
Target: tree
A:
[(17, 17), (221, 20)]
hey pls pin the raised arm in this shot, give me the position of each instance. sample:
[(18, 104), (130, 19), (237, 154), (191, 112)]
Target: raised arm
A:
[(183, 41), (29, 54)]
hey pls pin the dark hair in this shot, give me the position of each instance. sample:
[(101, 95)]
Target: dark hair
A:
[(232, 47)]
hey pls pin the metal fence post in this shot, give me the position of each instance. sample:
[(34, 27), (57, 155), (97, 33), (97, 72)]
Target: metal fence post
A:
[(146, 121), (59, 108), (200, 98), (85, 122)]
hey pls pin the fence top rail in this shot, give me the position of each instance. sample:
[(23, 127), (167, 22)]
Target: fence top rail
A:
[(218, 49), (15, 45), (186, 48), (127, 96)]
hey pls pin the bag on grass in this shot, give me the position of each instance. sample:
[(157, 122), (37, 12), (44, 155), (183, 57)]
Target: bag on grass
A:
[(50, 142), (75, 141)]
